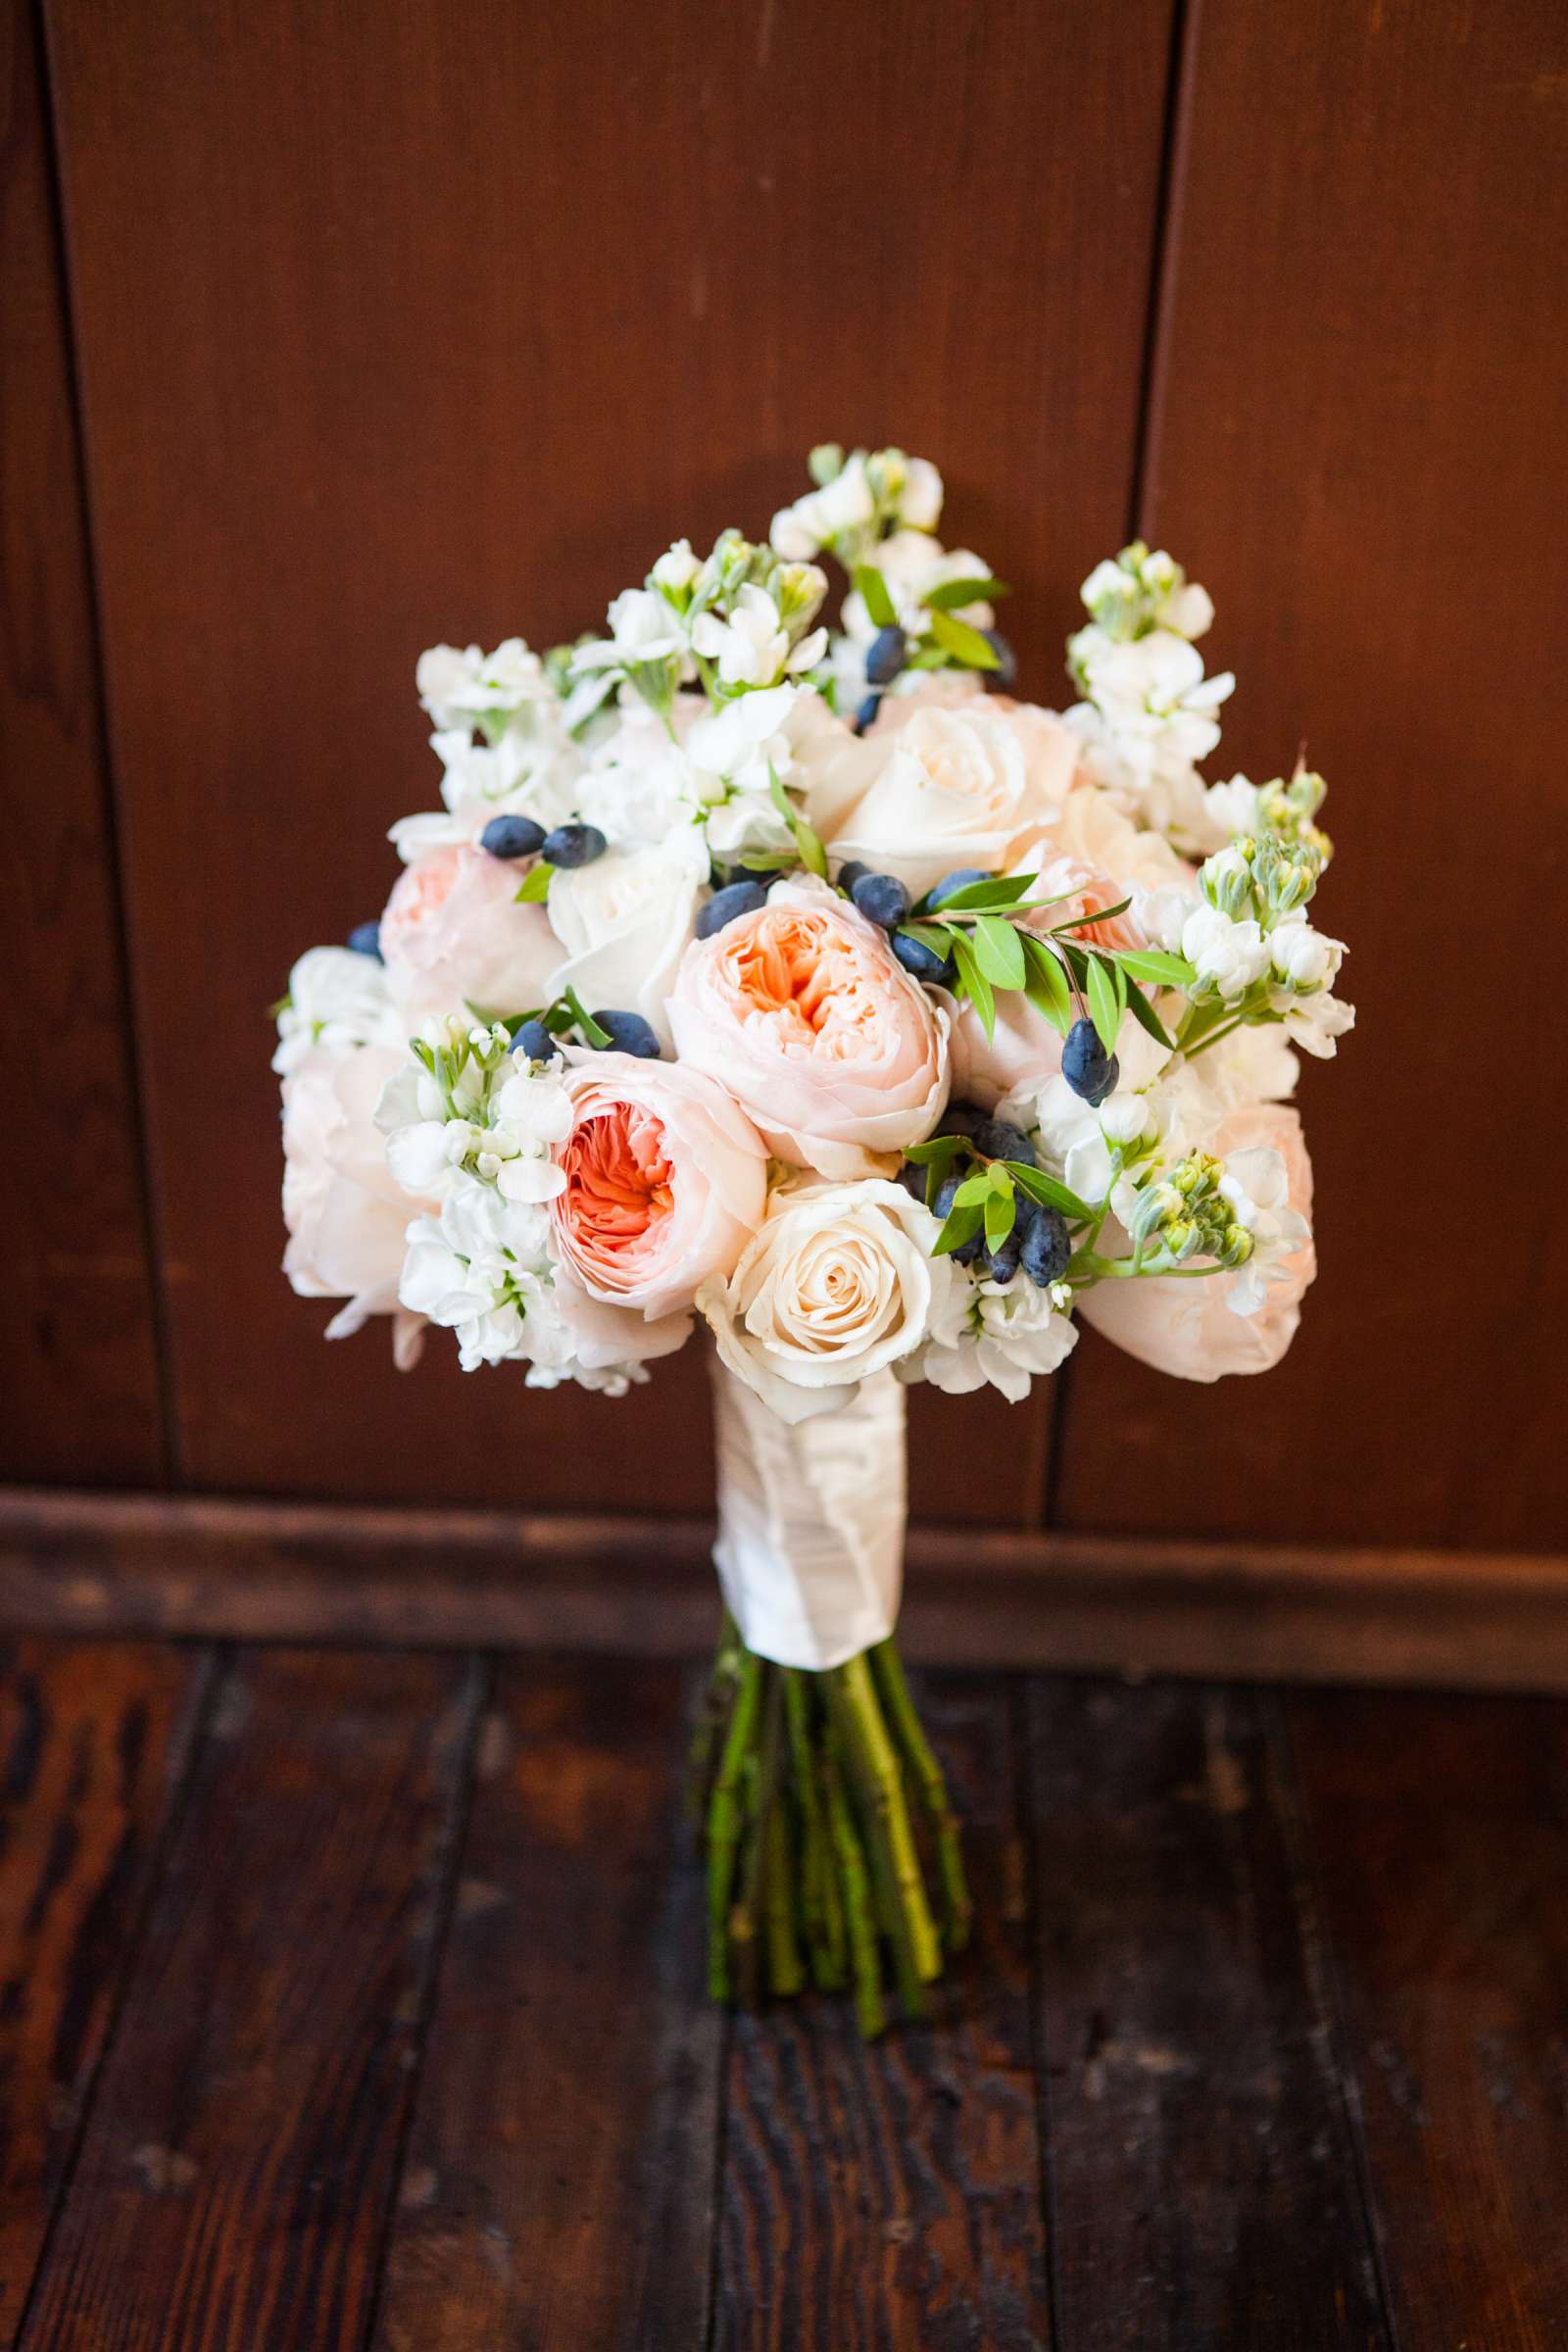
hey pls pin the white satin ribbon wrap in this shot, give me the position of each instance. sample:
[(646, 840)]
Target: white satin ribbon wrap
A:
[(810, 1521)]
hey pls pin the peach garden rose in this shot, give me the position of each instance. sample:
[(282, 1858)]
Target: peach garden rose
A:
[(802, 1012), (665, 1182), (454, 935)]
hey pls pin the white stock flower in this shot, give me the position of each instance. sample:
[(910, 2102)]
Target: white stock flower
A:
[(1226, 955), (336, 999), (466, 687), (912, 563), (1232, 807), (1256, 1184), (677, 566), (920, 499), (643, 627), (752, 648), (1317, 1022), (1003, 1335), (836, 1282), (1302, 957)]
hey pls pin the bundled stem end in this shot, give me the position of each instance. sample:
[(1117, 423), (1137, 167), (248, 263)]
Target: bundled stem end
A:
[(833, 1851)]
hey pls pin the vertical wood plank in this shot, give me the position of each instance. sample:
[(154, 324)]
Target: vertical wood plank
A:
[(234, 2175), (76, 1307), (1440, 1844), (1203, 2174), (389, 336), (93, 1742), (1359, 440), (890, 2195), (557, 2189)]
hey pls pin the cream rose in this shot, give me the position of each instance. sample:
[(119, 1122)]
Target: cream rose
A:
[(666, 1180), (954, 783), (453, 934), (346, 1214), (837, 1284), (626, 920), (803, 1013), (1191, 1327)]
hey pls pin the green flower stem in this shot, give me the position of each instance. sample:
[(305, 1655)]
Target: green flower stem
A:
[(888, 1670), (726, 1821), (885, 1822), (861, 1927), (785, 1974), (717, 1702), (821, 1916)]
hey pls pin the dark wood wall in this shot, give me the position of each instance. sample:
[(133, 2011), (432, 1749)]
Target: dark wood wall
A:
[(331, 333)]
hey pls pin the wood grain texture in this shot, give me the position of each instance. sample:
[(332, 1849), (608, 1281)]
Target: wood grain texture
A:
[(1203, 2174), (1441, 1848), (558, 2185), (390, 336), (75, 1321), (234, 2175), (890, 2195), (1360, 428), (294, 1572), (93, 1743)]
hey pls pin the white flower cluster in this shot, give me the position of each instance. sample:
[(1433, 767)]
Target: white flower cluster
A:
[(798, 978)]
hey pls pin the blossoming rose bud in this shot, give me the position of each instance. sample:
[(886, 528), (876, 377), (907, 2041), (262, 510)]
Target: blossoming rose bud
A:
[(345, 1212), (838, 1283), (1193, 1327), (666, 1180), (954, 783), (453, 934), (803, 1013)]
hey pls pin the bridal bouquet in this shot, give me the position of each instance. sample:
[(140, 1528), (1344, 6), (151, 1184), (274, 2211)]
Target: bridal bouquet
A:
[(805, 984)]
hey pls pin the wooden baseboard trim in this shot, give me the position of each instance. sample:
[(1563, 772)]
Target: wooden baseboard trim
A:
[(192, 1567)]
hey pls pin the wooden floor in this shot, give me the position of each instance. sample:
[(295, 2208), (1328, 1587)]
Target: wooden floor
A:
[(352, 2000)]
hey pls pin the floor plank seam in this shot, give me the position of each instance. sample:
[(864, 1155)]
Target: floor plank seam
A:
[(447, 1872), (185, 1770), (1324, 1979), (1025, 1718)]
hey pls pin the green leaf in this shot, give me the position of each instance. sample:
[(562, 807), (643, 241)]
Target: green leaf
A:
[(874, 588), (1104, 1010), (937, 937), (1003, 890), (1000, 1181), (813, 856), (1151, 963), (975, 984), (584, 1019), (1000, 1213), (940, 1147), (1045, 984), (535, 884), (998, 952), (952, 595), (961, 1226), (1102, 914), (973, 1189), (759, 862), (1049, 1192), (1147, 1017), (965, 645)]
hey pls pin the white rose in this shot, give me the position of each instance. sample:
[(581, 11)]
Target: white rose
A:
[(836, 1282), (625, 921), (962, 784), (336, 999), (1226, 955)]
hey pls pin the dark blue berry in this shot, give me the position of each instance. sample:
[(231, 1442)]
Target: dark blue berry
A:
[(1047, 1247), (995, 1139), (962, 1118), (1088, 1068), (865, 716), (536, 1041), (967, 1251), (736, 898), (629, 1033), (574, 845), (881, 899), (366, 940), (1004, 677), (913, 1178), (764, 874), (1001, 1263), (885, 656), (959, 879), (852, 870), (512, 837), (924, 963)]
